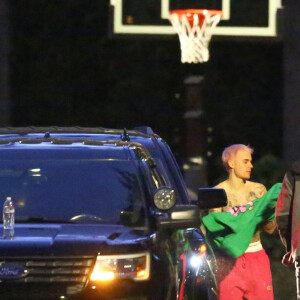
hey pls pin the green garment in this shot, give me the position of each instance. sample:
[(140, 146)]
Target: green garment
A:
[(233, 233)]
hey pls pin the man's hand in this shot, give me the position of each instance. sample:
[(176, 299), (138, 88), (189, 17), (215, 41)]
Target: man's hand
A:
[(287, 259)]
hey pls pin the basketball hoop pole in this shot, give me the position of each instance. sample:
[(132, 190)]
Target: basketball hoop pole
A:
[(194, 28)]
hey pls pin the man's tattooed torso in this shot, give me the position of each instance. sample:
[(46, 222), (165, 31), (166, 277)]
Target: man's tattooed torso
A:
[(256, 190)]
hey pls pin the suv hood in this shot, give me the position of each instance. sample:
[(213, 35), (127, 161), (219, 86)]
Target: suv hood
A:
[(73, 239)]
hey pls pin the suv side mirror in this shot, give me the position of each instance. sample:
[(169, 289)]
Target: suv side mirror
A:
[(164, 198), (211, 198), (179, 217)]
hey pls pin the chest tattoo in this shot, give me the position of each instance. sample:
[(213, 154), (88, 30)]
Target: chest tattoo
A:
[(235, 200)]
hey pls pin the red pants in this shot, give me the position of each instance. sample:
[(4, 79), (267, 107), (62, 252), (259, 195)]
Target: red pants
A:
[(249, 278)]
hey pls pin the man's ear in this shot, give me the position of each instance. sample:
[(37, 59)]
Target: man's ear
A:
[(231, 164)]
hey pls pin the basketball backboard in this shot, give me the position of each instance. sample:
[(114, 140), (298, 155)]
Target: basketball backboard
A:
[(246, 18)]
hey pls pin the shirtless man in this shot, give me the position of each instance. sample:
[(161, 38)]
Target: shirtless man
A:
[(249, 276)]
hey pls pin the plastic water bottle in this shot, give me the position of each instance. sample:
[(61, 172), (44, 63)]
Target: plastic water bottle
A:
[(8, 218)]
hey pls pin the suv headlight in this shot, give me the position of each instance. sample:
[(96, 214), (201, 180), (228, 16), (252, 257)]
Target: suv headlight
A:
[(129, 266)]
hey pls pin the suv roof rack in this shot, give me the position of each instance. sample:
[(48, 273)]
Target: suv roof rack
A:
[(144, 130)]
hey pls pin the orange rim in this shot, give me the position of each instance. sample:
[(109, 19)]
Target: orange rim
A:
[(191, 11)]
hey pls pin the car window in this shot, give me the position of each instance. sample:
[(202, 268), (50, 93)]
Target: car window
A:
[(80, 190)]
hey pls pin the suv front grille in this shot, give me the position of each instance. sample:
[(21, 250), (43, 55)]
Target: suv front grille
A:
[(69, 273)]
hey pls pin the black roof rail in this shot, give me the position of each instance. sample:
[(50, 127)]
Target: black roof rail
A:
[(23, 131)]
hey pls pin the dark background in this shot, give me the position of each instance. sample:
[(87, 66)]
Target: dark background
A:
[(66, 68), (60, 65)]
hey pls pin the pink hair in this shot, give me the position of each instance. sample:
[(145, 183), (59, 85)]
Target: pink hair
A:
[(231, 151)]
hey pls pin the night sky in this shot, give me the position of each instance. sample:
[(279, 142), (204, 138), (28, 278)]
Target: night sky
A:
[(67, 69)]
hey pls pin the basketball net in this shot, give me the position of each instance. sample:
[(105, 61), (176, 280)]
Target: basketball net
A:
[(194, 28)]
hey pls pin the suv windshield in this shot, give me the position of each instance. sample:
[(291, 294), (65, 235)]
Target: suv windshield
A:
[(84, 190)]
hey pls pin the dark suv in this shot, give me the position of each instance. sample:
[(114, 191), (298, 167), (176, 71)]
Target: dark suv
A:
[(100, 214)]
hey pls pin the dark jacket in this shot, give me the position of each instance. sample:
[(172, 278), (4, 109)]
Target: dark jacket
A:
[(288, 211)]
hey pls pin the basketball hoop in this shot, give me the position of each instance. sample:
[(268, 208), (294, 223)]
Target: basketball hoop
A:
[(195, 28)]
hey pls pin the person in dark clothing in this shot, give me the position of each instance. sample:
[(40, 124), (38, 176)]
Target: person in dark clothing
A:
[(287, 214)]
